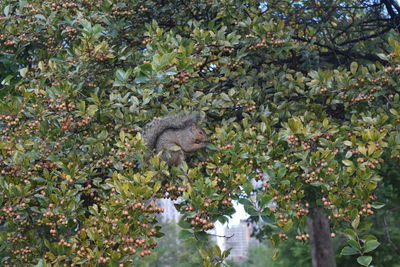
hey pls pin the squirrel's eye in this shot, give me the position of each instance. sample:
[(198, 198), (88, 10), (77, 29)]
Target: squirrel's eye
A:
[(200, 132)]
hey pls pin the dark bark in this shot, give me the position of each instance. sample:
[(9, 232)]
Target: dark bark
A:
[(348, 54), (395, 17), (320, 239)]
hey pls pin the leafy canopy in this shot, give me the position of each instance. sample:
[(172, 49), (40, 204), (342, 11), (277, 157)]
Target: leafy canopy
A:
[(300, 95)]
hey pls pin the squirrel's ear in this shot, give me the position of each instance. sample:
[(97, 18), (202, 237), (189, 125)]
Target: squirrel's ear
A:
[(194, 127)]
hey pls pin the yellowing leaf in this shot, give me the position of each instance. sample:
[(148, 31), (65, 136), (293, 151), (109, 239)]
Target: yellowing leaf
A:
[(347, 162), (353, 67), (371, 148)]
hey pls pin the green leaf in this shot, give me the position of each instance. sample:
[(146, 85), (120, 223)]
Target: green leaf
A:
[(378, 205), (263, 127), (348, 143), (23, 71), (146, 68), (6, 80), (397, 139), (247, 187), (43, 18), (159, 235), (141, 79), (276, 253), (354, 244), (354, 67), (383, 56), (201, 236), (265, 199), (364, 260), (325, 123), (41, 263), (295, 125), (370, 246), (348, 155), (281, 172), (356, 222), (225, 97), (122, 136), (347, 162), (393, 111), (157, 186), (362, 149), (102, 135), (185, 234), (348, 251), (6, 10), (217, 250), (91, 110), (184, 224), (203, 253)]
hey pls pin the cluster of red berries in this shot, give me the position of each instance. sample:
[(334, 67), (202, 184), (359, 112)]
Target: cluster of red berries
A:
[(202, 222)]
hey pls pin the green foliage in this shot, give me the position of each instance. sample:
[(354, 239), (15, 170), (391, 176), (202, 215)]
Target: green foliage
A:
[(313, 118), (383, 226), (290, 253), (172, 252)]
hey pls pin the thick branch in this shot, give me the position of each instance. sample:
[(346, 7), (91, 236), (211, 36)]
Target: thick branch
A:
[(389, 4), (366, 37), (371, 57), (320, 239)]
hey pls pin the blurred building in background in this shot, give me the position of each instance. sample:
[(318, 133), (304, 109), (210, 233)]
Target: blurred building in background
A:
[(235, 237), (170, 213), (238, 240)]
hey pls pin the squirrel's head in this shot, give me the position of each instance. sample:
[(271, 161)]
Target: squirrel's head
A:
[(199, 133)]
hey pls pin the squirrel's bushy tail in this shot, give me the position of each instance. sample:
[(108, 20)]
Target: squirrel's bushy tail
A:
[(156, 127)]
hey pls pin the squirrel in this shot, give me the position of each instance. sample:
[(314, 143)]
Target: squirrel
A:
[(175, 136)]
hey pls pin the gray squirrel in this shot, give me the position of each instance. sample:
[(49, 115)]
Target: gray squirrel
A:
[(175, 136)]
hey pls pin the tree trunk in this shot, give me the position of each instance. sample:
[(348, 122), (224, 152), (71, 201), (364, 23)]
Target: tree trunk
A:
[(320, 240)]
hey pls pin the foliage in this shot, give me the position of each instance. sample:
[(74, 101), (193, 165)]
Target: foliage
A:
[(302, 97), (383, 223), (171, 251), (383, 226), (292, 252)]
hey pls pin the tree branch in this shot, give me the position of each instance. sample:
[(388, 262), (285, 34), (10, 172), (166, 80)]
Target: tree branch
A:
[(344, 53), (223, 236), (366, 37)]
